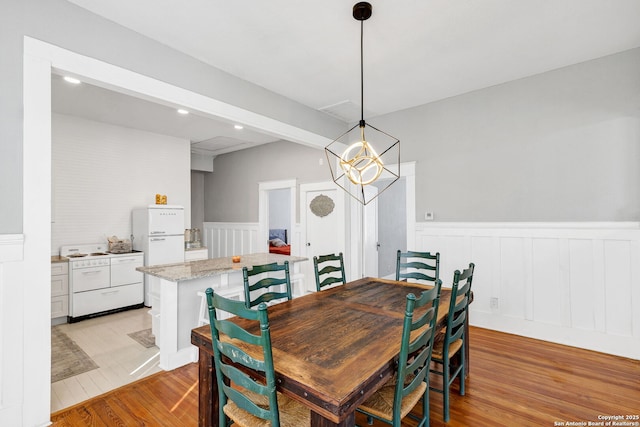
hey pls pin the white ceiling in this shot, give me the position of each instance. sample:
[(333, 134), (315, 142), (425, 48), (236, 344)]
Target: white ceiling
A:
[(208, 135), (415, 51)]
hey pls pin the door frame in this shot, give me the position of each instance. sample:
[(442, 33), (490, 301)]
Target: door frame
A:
[(408, 172), (263, 212)]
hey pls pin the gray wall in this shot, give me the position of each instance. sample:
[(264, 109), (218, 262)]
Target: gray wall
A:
[(231, 191), (197, 199), (559, 146), (66, 25)]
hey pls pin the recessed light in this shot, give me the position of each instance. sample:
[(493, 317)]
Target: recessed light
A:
[(239, 127), (182, 111), (72, 80)]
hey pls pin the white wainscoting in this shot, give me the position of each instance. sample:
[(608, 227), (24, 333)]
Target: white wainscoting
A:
[(576, 284), (572, 283), (224, 239), (11, 329)]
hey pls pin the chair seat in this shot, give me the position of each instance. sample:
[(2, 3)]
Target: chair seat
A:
[(292, 413), (438, 351), (380, 404)]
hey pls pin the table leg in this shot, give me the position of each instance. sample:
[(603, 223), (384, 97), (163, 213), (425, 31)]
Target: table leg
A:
[(318, 420), (207, 391)]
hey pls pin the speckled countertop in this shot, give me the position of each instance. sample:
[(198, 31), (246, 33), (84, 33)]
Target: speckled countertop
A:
[(58, 258), (214, 266)]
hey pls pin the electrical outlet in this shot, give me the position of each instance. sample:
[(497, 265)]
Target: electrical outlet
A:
[(320, 161), (428, 216), (494, 303)]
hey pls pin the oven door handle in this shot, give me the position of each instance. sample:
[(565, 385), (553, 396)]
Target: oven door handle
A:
[(91, 272)]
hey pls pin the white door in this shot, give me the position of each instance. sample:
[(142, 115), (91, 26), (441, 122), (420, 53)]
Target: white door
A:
[(321, 230), (323, 222)]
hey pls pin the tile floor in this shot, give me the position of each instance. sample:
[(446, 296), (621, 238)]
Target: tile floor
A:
[(121, 360)]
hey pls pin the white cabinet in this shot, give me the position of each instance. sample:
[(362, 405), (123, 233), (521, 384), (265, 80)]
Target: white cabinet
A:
[(114, 285), (107, 299), (196, 254), (59, 291)]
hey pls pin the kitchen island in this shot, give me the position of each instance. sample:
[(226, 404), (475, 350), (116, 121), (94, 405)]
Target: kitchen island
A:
[(176, 297)]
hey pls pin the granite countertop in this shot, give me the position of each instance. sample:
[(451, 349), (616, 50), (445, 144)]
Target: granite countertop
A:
[(58, 258), (214, 266)]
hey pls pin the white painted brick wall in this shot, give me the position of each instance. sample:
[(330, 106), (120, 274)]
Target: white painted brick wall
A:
[(101, 172)]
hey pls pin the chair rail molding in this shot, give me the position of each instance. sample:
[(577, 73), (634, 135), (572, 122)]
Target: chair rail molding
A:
[(576, 284), (11, 247)]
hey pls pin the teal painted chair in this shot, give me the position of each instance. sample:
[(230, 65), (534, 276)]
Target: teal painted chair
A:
[(420, 267), (329, 270), (401, 394), (449, 354), (243, 400), (266, 287)]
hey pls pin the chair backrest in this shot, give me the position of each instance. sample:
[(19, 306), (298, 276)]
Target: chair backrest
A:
[(231, 380), (458, 307), (329, 269), (420, 266), (415, 355), (267, 282)]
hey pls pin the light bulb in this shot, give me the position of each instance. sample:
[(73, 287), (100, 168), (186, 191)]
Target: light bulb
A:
[(363, 167)]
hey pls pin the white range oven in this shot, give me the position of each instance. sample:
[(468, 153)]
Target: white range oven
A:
[(101, 282)]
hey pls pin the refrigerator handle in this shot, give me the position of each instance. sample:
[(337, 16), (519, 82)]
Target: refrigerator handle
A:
[(157, 239), (157, 232)]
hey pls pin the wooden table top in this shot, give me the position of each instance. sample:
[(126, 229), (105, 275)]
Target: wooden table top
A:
[(332, 349)]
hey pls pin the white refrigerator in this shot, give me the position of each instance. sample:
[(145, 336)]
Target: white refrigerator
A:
[(158, 231)]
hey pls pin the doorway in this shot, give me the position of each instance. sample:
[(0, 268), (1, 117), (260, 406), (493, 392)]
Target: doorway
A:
[(277, 214), (391, 226), (394, 223), (40, 59)]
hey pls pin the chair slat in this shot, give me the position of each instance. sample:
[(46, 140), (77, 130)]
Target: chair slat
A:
[(331, 272)]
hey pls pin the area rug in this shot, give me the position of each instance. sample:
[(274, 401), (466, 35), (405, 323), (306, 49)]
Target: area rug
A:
[(67, 358), (144, 338)]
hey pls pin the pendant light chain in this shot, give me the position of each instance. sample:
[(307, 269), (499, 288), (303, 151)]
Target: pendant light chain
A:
[(362, 73)]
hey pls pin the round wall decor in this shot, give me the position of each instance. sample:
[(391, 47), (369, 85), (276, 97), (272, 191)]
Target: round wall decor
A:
[(322, 205)]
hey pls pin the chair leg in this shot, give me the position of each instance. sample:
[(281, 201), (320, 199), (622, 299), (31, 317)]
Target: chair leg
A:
[(445, 389), (461, 375), (425, 408), (461, 372)]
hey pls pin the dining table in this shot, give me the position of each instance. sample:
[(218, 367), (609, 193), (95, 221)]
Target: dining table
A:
[(331, 349)]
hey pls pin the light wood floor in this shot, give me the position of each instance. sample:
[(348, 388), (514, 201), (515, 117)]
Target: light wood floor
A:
[(105, 340), (514, 381)]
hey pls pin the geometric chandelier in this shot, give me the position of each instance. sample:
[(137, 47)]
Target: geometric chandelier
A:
[(360, 162)]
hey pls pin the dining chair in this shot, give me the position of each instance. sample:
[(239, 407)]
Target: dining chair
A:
[(395, 400), (418, 266), (326, 267), (450, 353), (269, 288), (246, 401)]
